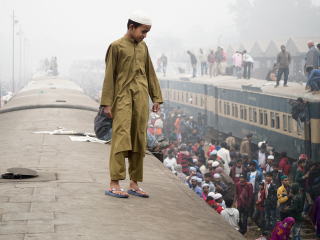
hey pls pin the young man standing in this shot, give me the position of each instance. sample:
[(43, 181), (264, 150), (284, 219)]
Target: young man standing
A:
[(207, 180), (230, 214), (164, 61), (261, 155), (283, 197), (193, 63), (129, 80), (300, 178), (225, 155), (283, 61), (236, 170), (245, 147), (271, 201), (244, 197), (295, 211), (220, 186), (170, 160), (201, 149)]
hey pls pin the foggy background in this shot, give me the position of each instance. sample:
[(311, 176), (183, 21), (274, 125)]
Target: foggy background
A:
[(75, 30)]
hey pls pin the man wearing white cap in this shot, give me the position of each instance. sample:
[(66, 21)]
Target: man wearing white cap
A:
[(194, 185), (218, 198), (269, 166), (129, 80), (220, 186)]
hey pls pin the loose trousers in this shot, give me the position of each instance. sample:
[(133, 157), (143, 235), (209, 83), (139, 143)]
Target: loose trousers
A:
[(117, 166)]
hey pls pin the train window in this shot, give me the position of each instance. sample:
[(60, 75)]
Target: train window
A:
[(225, 108), (277, 121), (285, 123), (272, 120), (220, 107), (255, 117), (201, 103), (178, 96), (299, 130), (245, 113), (232, 110), (265, 118), (187, 99), (166, 94), (182, 97), (228, 108), (241, 111), (250, 114), (290, 124), (196, 100), (236, 110), (190, 100), (174, 95), (261, 117)]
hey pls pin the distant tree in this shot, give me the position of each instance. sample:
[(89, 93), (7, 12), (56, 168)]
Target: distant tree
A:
[(274, 19)]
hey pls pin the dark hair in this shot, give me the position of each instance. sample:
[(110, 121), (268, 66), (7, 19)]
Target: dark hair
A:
[(236, 147), (230, 134), (196, 141), (270, 174), (309, 69), (253, 163), (188, 52), (228, 202), (239, 160), (264, 146), (201, 140), (207, 175), (202, 160), (274, 65), (300, 161), (261, 183), (224, 144), (213, 141), (317, 164), (217, 142), (135, 24), (197, 152), (283, 154), (318, 45), (244, 51), (276, 164), (193, 130), (282, 46), (189, 159), (299, 99), (312, 164), (209, 199), (227, 147), (171, 151), (189, 142)]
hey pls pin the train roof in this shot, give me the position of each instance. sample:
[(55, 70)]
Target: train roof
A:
[(294, 90)]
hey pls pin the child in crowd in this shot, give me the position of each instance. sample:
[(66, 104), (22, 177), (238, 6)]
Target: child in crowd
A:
[(300, 178), (259, 212), (271, 201), (269, 166), (277, 175)]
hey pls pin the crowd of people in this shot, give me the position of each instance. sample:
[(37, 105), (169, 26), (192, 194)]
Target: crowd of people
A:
[(236, 182), (215, 62)]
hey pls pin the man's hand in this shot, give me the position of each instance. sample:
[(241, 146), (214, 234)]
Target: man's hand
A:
[(107, 112), (305, 101), (156, 107), (307, 175)]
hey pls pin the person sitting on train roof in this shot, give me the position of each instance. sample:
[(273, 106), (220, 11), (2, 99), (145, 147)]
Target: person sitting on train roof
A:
[(313, 80), (261, 155), (245, 146), (271, 75), (300, 111)]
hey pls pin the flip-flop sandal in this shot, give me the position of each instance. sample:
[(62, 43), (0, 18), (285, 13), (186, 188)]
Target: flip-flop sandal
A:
[(133, 191), (110, 192)]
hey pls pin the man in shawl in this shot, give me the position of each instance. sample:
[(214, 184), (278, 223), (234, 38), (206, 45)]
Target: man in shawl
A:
[(129, 80), (244, 194), (282, 229), (311, 58)]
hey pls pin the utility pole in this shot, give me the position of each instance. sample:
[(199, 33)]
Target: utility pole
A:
[(13, 22), (20, 59), (24, 60)]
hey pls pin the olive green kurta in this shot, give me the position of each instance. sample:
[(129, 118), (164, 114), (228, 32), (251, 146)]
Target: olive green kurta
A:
[(129, 79)]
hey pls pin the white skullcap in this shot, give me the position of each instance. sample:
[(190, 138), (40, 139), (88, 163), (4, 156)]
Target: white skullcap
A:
[(168, 165), (199, 179), (205, 184), (211, 194), (174, 171), (193, 169), (210, 161), (194, 178), (217, 196), (179, 115), (156, 116), (195, 160), (214, 152), (260, 143), (191, 117), (141, 17), (172, 115), (215, 164), (151, 125), (270, 157), (216, 175)]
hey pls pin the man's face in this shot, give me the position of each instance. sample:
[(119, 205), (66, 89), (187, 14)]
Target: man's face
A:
[(171, 155), (217, 180), (268, 178), (275, 168), (252, 168), (194, 131), (209, 165), (219, 49), (291, 193), (190, 144), (194, 182), (244, 160), (262, 150), (283, 48), (190, 164), (207, 179), (239, 164), (196, 143), (270, 161), (302, 164), (310, 45), (242, 180), (206, 189), (250, 139), (219, 200), (285, 182), (139, 33), (202, 143)]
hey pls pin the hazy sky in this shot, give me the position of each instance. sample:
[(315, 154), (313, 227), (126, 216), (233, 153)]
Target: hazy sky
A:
[(83, 29)]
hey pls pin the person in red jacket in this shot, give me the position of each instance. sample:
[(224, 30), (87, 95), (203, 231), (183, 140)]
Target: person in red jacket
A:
[(260, 208), (182, 159), (284, 165), (236, 170), (216, 206)]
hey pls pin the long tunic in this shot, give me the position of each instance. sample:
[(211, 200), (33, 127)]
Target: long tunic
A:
[(129, 79)]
